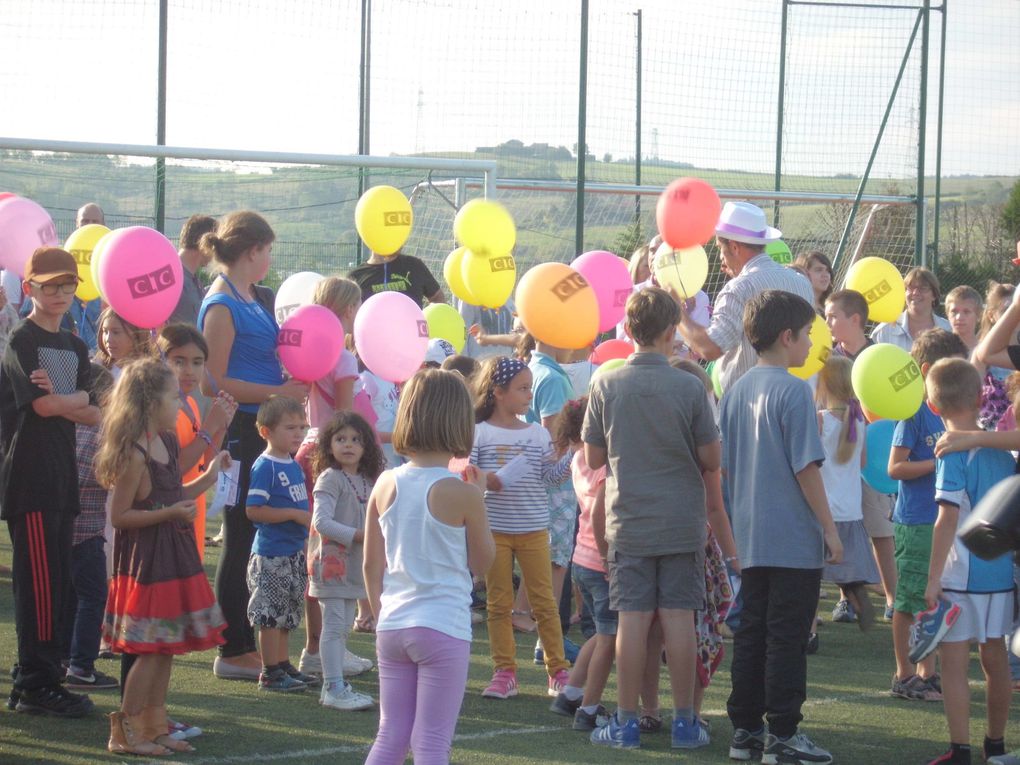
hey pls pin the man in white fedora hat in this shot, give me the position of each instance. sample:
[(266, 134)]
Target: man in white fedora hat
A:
[(741, 234)]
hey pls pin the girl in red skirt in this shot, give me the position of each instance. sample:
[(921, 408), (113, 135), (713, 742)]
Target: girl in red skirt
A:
[(160, 602)]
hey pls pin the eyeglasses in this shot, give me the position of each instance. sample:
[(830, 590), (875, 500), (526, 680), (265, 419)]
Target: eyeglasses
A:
[(920, 288), (50, 289)]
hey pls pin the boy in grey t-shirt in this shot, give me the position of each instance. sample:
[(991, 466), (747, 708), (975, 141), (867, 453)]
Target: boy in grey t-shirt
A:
[(653, 426), (782, 525)]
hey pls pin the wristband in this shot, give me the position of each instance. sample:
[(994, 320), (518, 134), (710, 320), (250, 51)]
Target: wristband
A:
[(204, 435), (730, 559)]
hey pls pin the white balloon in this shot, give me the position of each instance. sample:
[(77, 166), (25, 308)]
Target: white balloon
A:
[(297, 290)]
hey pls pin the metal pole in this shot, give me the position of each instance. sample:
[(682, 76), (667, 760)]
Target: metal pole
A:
[(637, 126), (582, 116), (874, 149), (920, 250), (364, 92), (938, 138), (779, 114), (160, 211)]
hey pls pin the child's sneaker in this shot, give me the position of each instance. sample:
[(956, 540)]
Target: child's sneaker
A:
[(746, 745), (310, 680), (54, 700), (355, 665), (570, 651), (626, 736), (503, 685), (558, 682), (650, 723), (843, 612), (589, 722), (798, 748), (563, 706), (80, 680), (930, 627), (311, 663), (279, 681), (993, 748), (180, 731), (689, 734), (956, 755), (343, 696), (1005, 759)]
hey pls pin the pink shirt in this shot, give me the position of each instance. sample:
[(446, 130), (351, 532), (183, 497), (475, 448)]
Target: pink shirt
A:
[(586, 486), (320, 394)]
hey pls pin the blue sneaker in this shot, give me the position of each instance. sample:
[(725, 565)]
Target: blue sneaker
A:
[(570, 651), (689, 734), (627, 736), (930, 627)]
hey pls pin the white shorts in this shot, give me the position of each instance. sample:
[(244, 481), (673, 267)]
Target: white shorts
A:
[(983, 616), (877, 511)]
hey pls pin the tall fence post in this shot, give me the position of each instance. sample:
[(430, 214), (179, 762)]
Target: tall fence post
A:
[(364, 98), (920, 248), (637, 125), (938, 139), (582, 120), (160, 211), (779, 114)]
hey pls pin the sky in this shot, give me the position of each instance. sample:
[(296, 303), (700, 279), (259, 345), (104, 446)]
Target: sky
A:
[(450, 75)]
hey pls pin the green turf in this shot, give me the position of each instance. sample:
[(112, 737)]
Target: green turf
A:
[(848, 711)]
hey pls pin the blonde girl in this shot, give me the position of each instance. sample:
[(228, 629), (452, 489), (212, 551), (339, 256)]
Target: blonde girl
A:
[(120, 341)]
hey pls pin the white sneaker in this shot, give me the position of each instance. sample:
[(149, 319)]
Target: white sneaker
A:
[(355, 665), (344, 697), (310, 663)]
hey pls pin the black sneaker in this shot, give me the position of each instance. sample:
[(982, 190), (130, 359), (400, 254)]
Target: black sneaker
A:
[(311, 681), (812, 644), (798, 749), (746, 745), (54, 701), (561, 705), (586, 722), (85, 681), (13, 698)]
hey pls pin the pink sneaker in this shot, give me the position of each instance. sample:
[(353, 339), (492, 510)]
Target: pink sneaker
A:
[(558, 681), (503, 685)]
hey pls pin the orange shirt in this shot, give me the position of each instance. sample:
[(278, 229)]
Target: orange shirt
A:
[(187, 431)]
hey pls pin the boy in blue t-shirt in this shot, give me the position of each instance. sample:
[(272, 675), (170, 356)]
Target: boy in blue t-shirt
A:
[(277, 503), (912, 463), (982, 589)]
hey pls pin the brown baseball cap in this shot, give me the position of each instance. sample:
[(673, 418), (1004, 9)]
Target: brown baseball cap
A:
[(47, 264)]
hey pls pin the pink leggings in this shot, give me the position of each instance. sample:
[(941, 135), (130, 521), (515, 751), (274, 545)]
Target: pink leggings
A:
[(422, 676)]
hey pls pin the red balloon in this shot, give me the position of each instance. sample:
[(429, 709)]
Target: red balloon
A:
[(6, 195), (687, 213), (610, 349)]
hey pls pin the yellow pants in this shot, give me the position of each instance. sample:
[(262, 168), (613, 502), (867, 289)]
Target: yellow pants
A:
[(532, 553)]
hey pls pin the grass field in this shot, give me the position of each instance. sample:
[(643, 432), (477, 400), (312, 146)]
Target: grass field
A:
[(848, 711)]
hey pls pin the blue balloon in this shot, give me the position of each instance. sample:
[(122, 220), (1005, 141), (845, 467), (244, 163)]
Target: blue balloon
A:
[(879, 444)]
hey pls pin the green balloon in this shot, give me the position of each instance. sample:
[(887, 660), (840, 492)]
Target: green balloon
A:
[(713, 373), (607, 365), (779, 251)]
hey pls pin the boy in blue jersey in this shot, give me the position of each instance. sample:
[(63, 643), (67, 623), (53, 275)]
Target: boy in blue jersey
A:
[(982, 589), (277, 503), (912, 463)]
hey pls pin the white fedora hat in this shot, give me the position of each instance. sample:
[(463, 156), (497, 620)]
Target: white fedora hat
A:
[(745, 222)]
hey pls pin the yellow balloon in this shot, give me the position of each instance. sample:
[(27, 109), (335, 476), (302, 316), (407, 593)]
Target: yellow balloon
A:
[(451, 273), (82, 244), (558, 306), (97, 256), (490, 278), (882, 286), (446, 322), (383, 218), (821, 347), (485, 227), (888, 381), (684, 270)]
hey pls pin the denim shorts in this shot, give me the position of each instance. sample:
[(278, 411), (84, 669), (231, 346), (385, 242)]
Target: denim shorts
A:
[(595, 593)]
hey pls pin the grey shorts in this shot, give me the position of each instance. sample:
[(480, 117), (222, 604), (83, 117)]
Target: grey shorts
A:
[(664, 581), (877, 510), (277, 589)]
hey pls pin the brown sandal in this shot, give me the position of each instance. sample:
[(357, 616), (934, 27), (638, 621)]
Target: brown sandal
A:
[(365, 624), (126, 737)]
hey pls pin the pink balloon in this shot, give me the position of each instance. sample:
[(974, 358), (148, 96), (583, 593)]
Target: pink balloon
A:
[(310, 342), (391, 335), (609, 277), (609, 350), (140, 275), (24, 227)]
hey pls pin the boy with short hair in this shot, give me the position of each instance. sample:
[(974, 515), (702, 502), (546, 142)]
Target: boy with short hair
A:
[(983, 590), (846, 313), (277, 504), (43, 394), (912, 463), (782, 526), (653, 426)]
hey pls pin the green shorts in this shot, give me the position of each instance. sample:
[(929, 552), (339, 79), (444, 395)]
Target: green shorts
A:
[(913, 553)]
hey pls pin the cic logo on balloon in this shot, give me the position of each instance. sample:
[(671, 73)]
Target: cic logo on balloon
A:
[(423, 328), (152, 282), (904, 376), (569, 286), (47, 233), (879, 290), (620, 298), (290, 337), (397, 218), (81, 257), (502, 263)]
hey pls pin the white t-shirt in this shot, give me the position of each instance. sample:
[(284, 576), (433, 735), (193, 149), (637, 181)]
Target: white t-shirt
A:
[(384, 396), (842, 481)]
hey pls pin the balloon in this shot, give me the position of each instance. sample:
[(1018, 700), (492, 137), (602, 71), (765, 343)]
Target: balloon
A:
[(713, 374), (6, 195), (489, 278), (24, 228), (687, 213), (610, 349), (383, 218), (485, 227), (609, 276), (558, 306), (97, 256), (391, 335), (611, 364), (888, 381), (140, 275), (882, 286), (878, 443), (452, 275), (821, 347), (297, 290), (310, 342), (446, 322), (81, 244), (684, 270), (779, 251)]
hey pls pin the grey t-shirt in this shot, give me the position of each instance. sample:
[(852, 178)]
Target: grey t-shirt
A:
[(192, 293), (651, 418), (770, 433)]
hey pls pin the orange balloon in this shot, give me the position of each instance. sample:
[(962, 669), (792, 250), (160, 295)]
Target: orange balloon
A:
[(558, 306), (869, 415)]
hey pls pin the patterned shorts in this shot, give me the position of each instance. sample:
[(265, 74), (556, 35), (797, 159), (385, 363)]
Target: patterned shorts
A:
[(277, 588), (562, 527)]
